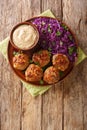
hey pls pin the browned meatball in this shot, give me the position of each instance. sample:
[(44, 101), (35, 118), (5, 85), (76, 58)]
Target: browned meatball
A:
[(20, 61), (60, 61), (33, 73), (42, 58), (51, 75)]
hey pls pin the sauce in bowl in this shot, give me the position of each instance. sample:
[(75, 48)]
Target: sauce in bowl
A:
[(24, 36)]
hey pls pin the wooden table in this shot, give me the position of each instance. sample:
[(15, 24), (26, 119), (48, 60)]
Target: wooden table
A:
[(64, 107)]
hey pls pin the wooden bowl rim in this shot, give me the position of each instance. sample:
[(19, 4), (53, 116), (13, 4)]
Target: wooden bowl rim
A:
[(19, 24)]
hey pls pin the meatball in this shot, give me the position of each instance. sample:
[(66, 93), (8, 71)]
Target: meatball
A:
[(20, 61), (42, 58), (51, 75), (33, 73), (60, 61)]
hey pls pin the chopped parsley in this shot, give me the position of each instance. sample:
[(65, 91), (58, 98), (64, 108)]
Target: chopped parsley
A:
[(41, 81), (64, 26), (30, 61), (61, 73), (71, 50), (70, 37), (37, 63), (44, 68), (15, 53), (58, 33), (49, 30), (49, 54), (49, 49), (39, 52)]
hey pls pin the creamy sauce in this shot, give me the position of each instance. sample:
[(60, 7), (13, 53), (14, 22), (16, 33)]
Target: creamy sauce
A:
[(24, 36)]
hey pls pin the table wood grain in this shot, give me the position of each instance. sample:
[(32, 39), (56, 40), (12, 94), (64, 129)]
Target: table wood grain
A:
[(64, 106)]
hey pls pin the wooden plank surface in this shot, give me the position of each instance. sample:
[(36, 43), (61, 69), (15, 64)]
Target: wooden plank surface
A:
[(64, 107), (10, 86), (75, 116)]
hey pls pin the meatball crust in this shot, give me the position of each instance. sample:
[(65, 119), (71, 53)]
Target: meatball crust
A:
[(60, 61), (51, 75), (33, 73), (42, 58), (20, 61)]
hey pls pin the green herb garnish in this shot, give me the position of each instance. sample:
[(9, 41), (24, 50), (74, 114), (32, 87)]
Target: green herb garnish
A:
[(64, 26), (15, 53), (39, 52), (58, 33), (71, 50), (61, 73), (49, 30), (41, 81), (49, 54), (70, 37), (44, 68), (37, 63), (49, 49), (30, 61)]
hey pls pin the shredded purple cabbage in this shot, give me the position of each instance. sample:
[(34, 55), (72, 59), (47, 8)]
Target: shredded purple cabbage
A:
[(56, 37)]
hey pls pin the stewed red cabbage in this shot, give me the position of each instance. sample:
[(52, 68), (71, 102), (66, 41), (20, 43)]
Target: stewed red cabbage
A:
[(56, 37)]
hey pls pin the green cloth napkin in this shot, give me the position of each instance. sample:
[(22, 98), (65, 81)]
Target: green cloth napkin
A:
[(34, 91)]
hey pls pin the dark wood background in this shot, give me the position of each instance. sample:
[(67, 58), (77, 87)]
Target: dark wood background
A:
[(64, 107)]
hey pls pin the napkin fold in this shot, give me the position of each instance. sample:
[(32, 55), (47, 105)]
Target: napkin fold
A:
[(38, 90)]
